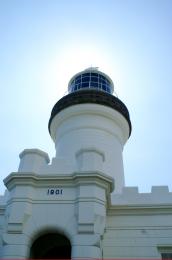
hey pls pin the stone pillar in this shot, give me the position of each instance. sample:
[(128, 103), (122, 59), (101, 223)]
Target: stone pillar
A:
[(15, 246), (31, 160)]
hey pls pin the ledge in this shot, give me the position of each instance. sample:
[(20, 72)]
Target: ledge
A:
[(140, 210), (91, 96), (74, 179)]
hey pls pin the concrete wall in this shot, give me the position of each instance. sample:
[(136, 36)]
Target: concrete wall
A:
[(135, 225), (139, 225), (74, 205), (81, 204)]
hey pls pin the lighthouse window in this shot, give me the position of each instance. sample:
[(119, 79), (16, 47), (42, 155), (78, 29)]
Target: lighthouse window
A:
[(101, 77), (104, 87), (108, 88), (86, 75), (85, 85), (94, 85), (78, 80), (103, 81), (91, 80), (75, 88), (94, 75), (85, 79), (94, 79), (72, 86)]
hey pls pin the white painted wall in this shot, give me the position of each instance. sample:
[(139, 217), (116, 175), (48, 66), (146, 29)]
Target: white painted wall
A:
[(79, 211), (89, 141), (92, 126), (135, 225)]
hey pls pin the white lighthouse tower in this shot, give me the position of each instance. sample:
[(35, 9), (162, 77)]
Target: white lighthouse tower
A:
[(59, 210), (77, 206), (90, 126)]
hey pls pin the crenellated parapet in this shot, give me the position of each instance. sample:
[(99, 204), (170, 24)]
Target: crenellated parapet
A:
[(132, 196)]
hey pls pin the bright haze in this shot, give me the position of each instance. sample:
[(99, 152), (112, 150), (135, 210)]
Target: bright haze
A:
[(43, 43)]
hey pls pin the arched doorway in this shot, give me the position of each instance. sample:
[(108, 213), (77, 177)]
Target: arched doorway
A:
[(51, 246)]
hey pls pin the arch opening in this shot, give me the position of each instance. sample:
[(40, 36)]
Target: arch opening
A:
[(51, 246)]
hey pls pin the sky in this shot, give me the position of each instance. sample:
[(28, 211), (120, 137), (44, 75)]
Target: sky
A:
[(43, 43)]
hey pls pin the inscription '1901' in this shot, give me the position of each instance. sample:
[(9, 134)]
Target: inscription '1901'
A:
[(54, 191)]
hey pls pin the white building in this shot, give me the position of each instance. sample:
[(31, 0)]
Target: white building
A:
[(77, 206)]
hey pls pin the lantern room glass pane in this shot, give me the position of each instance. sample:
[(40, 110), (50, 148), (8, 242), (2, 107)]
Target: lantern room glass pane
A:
[(94, 85), (78, 80), (85, 79), (91, 80), (85, 85)]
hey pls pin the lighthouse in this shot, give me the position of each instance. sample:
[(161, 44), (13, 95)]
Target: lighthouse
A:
[(58, 209), (90, 126), (76, 205)]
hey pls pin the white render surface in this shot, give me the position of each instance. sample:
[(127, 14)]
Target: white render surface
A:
[(92, 127), (82, 195), (139, 225), (79, 211), (98, 222)]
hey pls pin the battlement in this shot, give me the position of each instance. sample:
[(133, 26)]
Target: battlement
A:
[(131, 196), (3, 199)]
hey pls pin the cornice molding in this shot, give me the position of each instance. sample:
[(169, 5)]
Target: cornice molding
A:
[(141, 209), (73, 179)]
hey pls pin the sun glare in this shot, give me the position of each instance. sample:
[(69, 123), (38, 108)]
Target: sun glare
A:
[(72, 59), (77, 59)]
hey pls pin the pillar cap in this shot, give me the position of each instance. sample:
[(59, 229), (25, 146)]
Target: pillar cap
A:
[(35, 151)]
